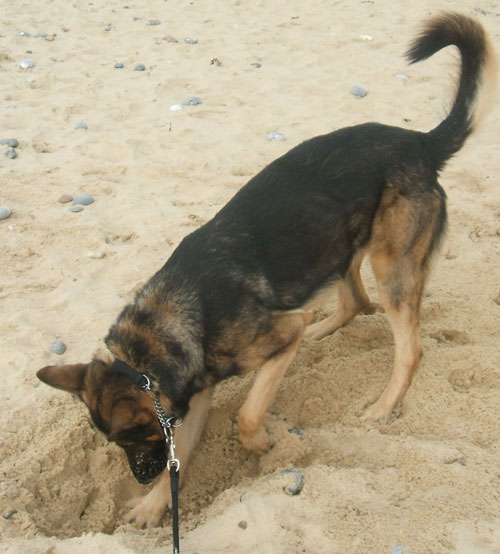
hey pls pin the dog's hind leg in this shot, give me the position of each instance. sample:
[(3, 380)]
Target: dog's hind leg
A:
[(287, 336), (352, 299), (405, 232)]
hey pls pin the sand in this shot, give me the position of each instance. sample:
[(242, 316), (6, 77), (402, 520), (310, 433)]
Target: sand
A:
[(426, 482)]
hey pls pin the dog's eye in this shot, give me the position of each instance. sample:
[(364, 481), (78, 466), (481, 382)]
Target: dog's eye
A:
[(124, 444)]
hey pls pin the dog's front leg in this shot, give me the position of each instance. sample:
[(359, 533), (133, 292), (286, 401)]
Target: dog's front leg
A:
[(147, 511)]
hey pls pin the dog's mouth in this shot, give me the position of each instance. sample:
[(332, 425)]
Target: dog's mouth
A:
[(145, 462)]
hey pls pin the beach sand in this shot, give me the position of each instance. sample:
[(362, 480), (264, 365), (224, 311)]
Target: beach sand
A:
[(426, 482)]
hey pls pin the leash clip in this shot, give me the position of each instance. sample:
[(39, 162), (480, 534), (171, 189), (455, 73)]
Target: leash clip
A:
[(168, 425)]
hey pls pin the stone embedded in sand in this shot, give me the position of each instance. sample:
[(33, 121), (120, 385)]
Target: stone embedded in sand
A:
[(11, 153), (191, 101), (107, 28), (12, 142), (5, 212), (256, 64), (27, 64), (65, 198), (189, 40), (41, 35), (118, 65), (176, 107), (358, 91), (83, 200), (139, 67), (22, 34), (275, 136), (81, 125), (58, 347), (77, 208), (242, 524), (153, 22)]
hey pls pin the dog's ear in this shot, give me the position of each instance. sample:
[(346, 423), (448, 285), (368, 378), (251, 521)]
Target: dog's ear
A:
[(65, 377)]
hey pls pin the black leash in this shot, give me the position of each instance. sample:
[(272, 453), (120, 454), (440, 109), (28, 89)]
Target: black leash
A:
[(174, 487), (173, 465), (168, 425)]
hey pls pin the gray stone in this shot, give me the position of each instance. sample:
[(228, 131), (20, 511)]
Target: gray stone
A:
[(27, 64), (139, 67), (12, 142), (22, 34), (77, 208), (81, 125), (242, 524), (58, 347), (153, 22), (275, 135), (191, 101), (189, 40), (11, 153), (83, 200), (358, 91), (5, 212), (119, 65)]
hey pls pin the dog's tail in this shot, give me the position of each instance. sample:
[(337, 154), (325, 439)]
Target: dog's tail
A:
[(478, 78)]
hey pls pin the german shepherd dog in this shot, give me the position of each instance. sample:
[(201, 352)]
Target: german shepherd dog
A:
[(235, 295)]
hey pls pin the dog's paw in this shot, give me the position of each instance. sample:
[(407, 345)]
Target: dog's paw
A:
[(380, 412), (145, 511), (256, 442)]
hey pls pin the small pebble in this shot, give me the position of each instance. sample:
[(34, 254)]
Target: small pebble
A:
[(11, 153), (97, 255), (366, 37), (242, 524), (176, 107), (27, 64), (295, 489), (119, 65), (9, 515), (83, 200), (170, 39), (139, 67), (154, 22), (65, 198), (295, 431), (81, 125), (77, 208), (256, 64), (22, 34), (5, 212), (480, 11), (11, 227), (189, 40), (359, 91), (401, 75), (275, 135), (58, 347), (107, 28), (12, 142), (29, 52), (41, 35), (191, 101)]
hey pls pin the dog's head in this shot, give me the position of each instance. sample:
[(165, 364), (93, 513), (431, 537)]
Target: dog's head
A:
[(119, 409)]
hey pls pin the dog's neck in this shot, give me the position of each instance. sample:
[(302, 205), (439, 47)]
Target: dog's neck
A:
[(161, 340)]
